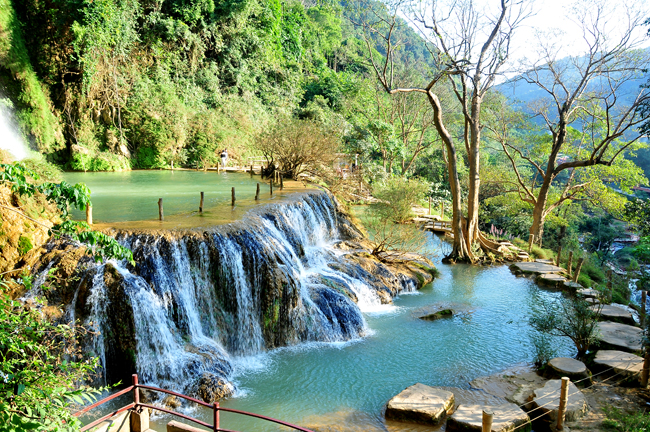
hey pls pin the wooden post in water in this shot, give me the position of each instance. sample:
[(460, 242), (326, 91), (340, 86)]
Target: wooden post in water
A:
[(281, 181), (161, 214), (644, 297), (271, 187), (559, 255), (201, 204), (488, 416), (576, 275), (564, 395), (251, 170), (89, 214), (646, 370), (233, 196), (570, 263), (257, 193)]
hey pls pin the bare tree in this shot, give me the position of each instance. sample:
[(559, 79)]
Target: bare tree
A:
[(589, 94), (468, 47)]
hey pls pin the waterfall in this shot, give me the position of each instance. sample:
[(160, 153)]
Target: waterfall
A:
[(10, 138), (197, 298)]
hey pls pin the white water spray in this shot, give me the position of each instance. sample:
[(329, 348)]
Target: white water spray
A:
[(10, 139)]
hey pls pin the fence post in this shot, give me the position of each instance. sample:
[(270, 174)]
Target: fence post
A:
[(257, 193), (161, 214), (201, 205), (564, 394), (233, 196), (646, 370), (559, 255), (487, 421), (609, 285), (215, 419), (570, 263), (251, 170), (136, 392), (644, 297), (271, 187), (442, 211), (531, 240), (576, 275), (429, 206), (89, 214), (281, 181)]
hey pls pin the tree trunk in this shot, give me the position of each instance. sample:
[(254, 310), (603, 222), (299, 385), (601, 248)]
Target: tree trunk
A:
[(539, 213), (474, 175), (460, 250)]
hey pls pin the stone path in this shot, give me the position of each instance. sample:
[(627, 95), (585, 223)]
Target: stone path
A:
[(547, 399), (616, 314), (551, 279), (572, 368), (620, 336), (507, 418), (626, 364), (536, 268), (420, 403)]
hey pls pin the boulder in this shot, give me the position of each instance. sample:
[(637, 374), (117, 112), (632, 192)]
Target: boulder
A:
[(615, 314), (420, 403), (212, 388), (626, 364), (547, 399), (567, 367), (444, 313), (620, 336), (507, 418)]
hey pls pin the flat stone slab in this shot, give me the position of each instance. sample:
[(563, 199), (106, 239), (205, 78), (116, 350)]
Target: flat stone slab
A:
[(516, 385), (626, 364), (589, 293), (615, 313), (622, 336), (507, 418), (547, 399), (551, 279), (420, 404), (570, 285), (567, 366), (536, 267)]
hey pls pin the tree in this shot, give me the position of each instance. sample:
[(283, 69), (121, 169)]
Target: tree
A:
[(590, 118), (468, 48)]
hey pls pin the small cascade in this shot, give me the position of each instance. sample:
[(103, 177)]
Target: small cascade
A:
[(11, 139), (195, 299)]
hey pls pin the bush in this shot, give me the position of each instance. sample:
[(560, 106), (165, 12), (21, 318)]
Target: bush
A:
[(397, 196), (620, 421), (24, 245)]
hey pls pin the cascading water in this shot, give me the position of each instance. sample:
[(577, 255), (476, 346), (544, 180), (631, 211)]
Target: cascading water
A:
[(195, 299), (10, 138)]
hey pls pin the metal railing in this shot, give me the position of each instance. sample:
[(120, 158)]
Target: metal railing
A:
[(216, 409)]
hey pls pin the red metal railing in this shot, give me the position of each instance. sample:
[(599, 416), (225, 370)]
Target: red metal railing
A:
[(136, 404)]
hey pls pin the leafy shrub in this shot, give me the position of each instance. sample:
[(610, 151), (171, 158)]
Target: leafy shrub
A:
[(397, 196), (24, 245), (620, 421)]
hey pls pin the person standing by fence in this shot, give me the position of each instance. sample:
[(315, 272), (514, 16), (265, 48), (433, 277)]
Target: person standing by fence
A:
[(224, 158)]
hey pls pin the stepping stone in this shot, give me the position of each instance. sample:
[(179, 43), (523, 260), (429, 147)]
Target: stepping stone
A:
[(592, 300), (568, 367), (572, 286), (615, 313), (547, 399), (536, 267), (420, 404), (551, 279), (620, 336), (626, 364), (589, 293), (444, 313), (507, 418), (545, 261)]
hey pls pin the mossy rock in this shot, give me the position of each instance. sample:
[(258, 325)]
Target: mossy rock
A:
[(444, 313)]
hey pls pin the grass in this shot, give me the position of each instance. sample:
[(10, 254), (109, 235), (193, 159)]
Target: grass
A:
[(621, 421)]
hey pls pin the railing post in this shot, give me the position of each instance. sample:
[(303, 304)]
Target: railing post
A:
[(281, 182), (429, 206), (442, 211), (136, 392), (646, 370), (609, 285), (559, 255), (576, 275), (257, 193), (561, 411), (89, 214), (487, 421), (251, 170), (201, 205), (644, 296), (161, 214), (271, 187), (233, 196), (569, 263), (215, 409)]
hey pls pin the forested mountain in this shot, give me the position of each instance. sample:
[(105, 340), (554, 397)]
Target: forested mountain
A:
[(115, 84)]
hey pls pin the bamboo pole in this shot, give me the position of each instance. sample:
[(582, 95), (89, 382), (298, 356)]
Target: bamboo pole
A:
[(161, 214), (564, 395), (201, 204), (89, 214), (488, 416)]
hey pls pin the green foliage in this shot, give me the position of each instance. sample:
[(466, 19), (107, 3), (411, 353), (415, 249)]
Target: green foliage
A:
[(544, 349), (637, 211), (568, 317), (620, 421), (24, 245), (64, 196), (397, 196), (41, 370)]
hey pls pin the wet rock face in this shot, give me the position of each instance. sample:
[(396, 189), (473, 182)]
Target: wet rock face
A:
[(211, 388)]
